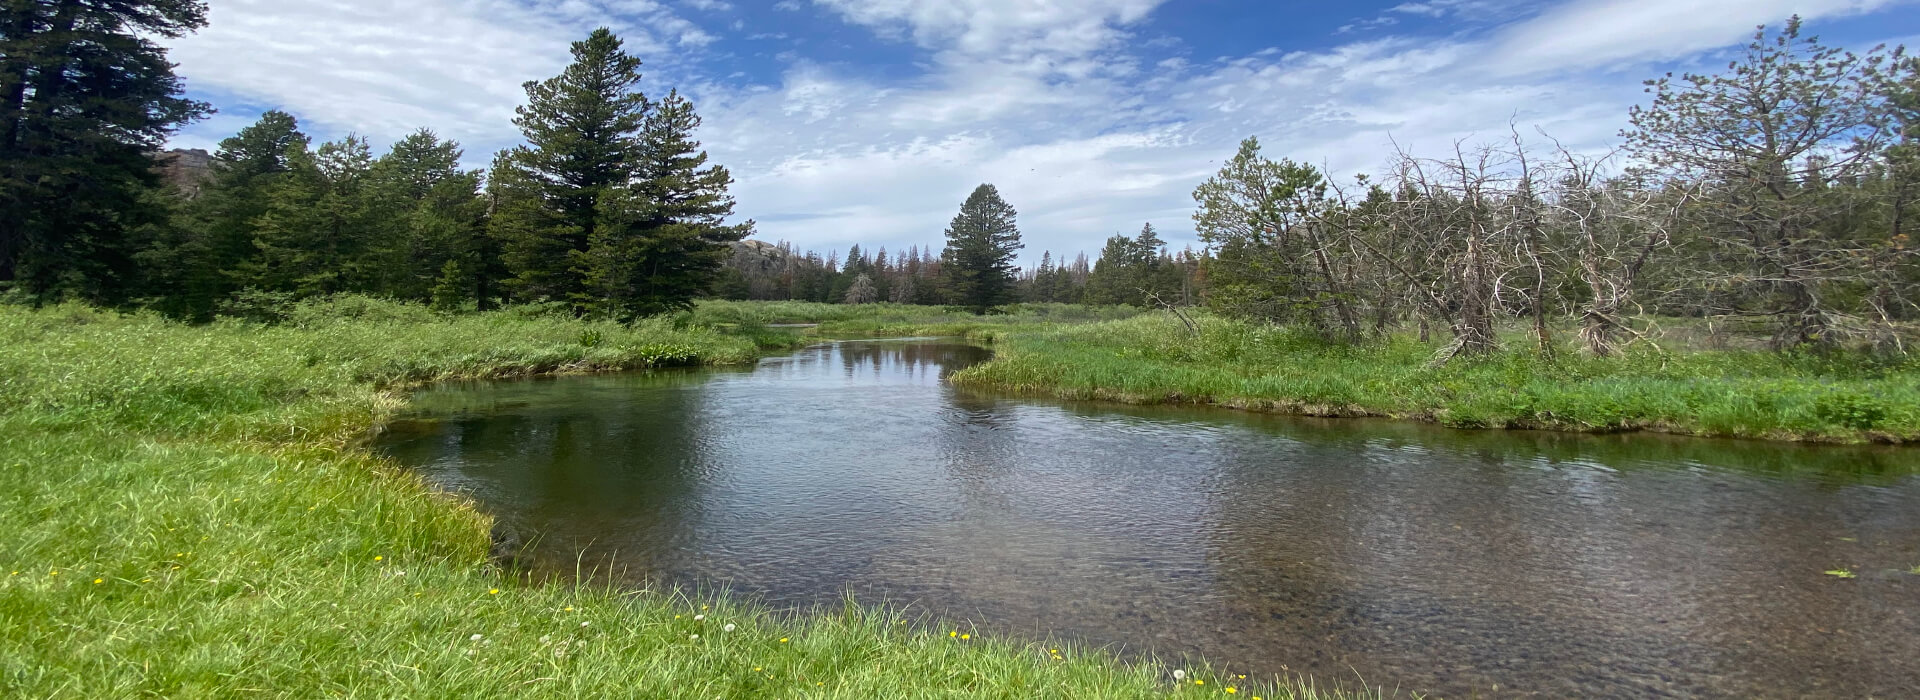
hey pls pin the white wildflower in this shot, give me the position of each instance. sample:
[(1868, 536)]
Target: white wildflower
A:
[(699, 618), (476, 637), (1179, 675), (728, 628)]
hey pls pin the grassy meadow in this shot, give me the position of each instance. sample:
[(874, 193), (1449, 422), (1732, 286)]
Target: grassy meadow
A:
[(187, 515), (1831, 396)]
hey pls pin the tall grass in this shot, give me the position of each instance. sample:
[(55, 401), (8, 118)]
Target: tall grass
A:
[(1833, 396), (186, 516)]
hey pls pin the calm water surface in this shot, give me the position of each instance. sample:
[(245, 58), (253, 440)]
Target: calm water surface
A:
[(1451, 562)]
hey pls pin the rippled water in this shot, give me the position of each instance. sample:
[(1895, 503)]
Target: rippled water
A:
[(1432, 560)]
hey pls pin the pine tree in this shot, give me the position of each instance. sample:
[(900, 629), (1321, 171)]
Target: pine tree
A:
[(661, 242), (318, 224), (194, 267), (1041, 289), (584, 145), (85, 94), (981, 243), (435, 218)]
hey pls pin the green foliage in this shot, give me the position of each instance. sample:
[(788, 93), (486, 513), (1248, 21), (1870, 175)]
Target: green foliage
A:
[(85, 93), (583, 130), (187, 517), (981, 244), (1851, 410), (1131, 271), (1264, 220), (1831, 396), (659, 244)]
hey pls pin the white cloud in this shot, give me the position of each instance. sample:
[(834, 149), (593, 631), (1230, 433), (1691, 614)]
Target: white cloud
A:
[(1588, 33), (1043, 97), (1001, 28), (369, 66)]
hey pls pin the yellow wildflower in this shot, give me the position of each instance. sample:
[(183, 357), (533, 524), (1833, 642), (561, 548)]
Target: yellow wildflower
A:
[(954, 633), (569, 609), (99, 580), (966, 636), (783, 640), (1231, 690), (1199, 682), (493, 591)]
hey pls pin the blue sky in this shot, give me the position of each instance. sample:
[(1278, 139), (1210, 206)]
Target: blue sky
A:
[(868, 121)]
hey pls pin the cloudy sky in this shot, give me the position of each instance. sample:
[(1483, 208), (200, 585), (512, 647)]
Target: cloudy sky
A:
[(868, 121)]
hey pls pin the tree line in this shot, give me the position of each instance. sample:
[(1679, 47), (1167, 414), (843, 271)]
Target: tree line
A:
[(610, 207), (1135, 270), (1776, 195)]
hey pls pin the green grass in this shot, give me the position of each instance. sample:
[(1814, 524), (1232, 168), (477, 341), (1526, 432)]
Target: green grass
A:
[(1831, 397), (187, 515)]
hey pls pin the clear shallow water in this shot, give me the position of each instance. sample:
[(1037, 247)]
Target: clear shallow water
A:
[(1432, 560)]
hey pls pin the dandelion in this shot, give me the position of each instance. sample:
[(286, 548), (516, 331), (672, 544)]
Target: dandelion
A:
[(693, 636), (1199, 682), (783, 640), (1179, 675), (703, 607), (699, 618), (583, 624), (493, 591), (54, 572), (728, 628), (476, 638), (966, 636), (954, 633), (378, 558), (568, 609), (1231, 690), (99, 580)]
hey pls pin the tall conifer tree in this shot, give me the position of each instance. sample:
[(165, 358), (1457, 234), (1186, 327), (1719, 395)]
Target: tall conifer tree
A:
[(85, 95), (661, 242), (583, 146), (981, 243)]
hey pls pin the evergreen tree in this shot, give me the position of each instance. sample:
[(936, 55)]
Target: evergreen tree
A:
[(661, 242), (583, 130), (981, 243), (195, 266), (434, 245), (318, 224), (85, 95), (1041, 289)]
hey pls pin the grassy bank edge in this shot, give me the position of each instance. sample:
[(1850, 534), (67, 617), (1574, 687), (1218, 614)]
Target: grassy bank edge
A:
[(1128, 361), (112, 492)]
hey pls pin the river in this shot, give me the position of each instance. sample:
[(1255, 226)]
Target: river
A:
[(1355, 551)]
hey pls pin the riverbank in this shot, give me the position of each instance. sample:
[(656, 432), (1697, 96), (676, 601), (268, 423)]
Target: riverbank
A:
[(1843, 397), (187, 516)]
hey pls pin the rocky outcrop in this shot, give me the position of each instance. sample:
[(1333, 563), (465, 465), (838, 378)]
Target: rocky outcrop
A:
[(185, 169)]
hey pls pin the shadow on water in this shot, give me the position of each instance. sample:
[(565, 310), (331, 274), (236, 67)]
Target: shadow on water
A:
[(1449, 561)]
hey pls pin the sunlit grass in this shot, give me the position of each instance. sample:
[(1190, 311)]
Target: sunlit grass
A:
[(186, 515), (1833, 396)]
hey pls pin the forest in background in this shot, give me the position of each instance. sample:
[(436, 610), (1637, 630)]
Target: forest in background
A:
[(1772, 197)]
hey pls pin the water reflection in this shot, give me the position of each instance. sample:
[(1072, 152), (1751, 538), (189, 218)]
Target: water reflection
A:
[(1435, 560)]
